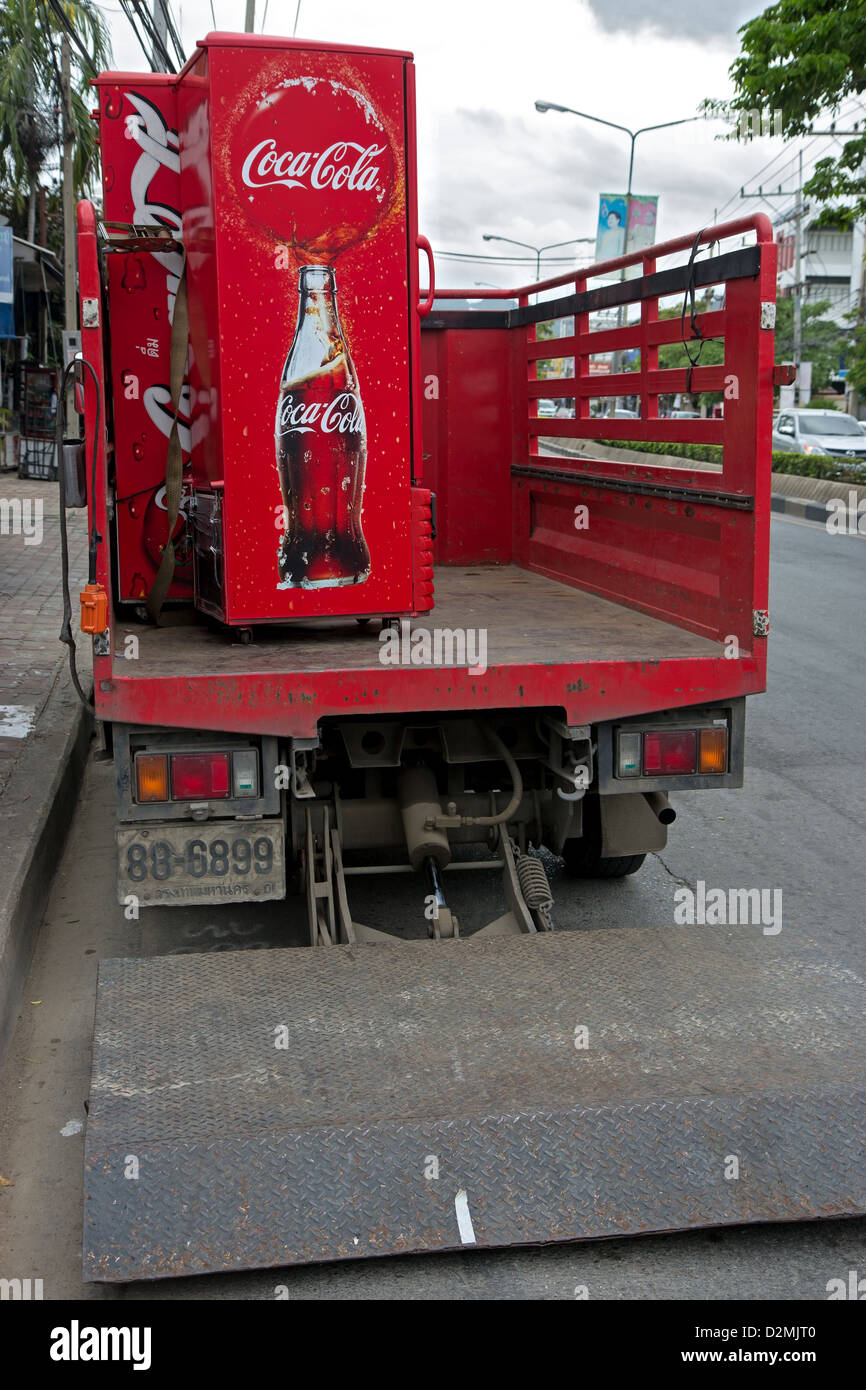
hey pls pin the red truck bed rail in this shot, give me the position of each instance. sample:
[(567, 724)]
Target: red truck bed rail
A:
[(689, 544)]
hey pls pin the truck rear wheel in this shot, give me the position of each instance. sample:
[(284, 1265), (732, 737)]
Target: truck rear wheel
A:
[(583, 860)]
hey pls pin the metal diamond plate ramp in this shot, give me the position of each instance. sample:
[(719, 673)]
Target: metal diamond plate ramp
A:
[(268, 1108)]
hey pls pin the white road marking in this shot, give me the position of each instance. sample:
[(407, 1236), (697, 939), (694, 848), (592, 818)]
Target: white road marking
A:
[(464, 1220)]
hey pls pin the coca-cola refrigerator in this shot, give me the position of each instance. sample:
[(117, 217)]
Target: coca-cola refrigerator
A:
[(297, 175)]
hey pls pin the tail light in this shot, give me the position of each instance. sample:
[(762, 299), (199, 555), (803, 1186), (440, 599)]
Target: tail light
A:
[(206, 776), (671, 752), (94, 609), (713, 750), (200, 776), (151, 777), (245, 773)]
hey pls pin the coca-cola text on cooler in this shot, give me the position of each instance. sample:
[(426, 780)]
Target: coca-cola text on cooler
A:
[(321, 447), (291, 169)]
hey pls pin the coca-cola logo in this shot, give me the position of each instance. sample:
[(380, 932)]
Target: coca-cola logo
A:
[(159, 150), (343, 415), (313, 165), (331, 169), (160, 410)]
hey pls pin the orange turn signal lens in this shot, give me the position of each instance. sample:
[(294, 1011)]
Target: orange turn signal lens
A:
[(151, 777), (713, 750), (94, 609)]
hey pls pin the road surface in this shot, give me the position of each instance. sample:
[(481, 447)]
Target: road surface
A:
[(797, 826)]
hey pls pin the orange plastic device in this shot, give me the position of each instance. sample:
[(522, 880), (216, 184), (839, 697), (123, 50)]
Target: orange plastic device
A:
[(94, 609)]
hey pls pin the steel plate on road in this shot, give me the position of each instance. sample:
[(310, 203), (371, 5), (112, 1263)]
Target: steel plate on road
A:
[(297, 1105), (227, 861)]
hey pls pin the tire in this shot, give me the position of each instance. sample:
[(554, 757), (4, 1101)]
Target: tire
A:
[(583, 861), (583, 857)]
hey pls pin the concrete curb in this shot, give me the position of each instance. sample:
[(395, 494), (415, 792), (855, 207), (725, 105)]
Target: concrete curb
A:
[(799, 507), (35, 813)]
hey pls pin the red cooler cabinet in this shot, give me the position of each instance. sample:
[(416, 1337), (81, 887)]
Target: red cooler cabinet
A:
[(141, 189), (297, 186)]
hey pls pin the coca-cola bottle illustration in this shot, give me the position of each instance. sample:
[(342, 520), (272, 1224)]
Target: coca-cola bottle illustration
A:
[(321, 442)]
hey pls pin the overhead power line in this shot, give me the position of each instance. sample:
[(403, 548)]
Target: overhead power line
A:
[(73, 34), (506, 260), (790, 160), (154, 47)]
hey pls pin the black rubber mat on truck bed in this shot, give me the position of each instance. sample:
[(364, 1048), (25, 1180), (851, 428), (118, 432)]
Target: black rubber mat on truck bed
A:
[(265, 1108)]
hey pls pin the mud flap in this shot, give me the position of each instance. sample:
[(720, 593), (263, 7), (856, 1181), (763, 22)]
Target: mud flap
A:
[(272, 1108)]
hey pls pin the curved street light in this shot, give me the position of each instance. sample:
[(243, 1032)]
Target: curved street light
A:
[(538, 250), (632, 134)]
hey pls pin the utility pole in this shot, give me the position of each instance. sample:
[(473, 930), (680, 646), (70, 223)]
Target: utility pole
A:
[(160, 26), (69, 288), (70, 295), (798, 266), (852, 404), (797, 216), (250, 20)]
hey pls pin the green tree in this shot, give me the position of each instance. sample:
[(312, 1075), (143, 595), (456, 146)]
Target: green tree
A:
[(807, 58), (823, 342), (30, 98)]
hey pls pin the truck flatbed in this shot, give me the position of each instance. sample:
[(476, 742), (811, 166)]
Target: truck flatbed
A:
[(527, 618), (530, 621)]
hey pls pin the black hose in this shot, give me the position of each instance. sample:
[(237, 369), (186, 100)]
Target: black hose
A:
[(501, 817)]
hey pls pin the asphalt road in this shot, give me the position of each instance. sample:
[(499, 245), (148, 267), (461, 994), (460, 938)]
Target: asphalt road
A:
[(797, 825)]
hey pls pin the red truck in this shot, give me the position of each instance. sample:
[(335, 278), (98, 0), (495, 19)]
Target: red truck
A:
[(622, 609), (540, 648)]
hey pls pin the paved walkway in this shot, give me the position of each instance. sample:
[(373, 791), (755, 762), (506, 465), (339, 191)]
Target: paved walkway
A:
[(31, 607)]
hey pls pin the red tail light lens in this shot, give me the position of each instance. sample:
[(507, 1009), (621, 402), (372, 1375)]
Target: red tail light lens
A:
[(199, 776), (671, 751)]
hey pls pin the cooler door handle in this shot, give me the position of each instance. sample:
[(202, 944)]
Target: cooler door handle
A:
[(424, 245)]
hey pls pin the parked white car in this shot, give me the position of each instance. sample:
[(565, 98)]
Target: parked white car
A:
[(820, 432)]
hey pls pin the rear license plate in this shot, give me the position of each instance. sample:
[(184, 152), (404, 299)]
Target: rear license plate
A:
[(180, 863)]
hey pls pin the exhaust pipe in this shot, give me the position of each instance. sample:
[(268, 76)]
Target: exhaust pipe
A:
[(661, 807)]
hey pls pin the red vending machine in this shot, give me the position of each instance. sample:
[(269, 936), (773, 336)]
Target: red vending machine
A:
[(299, 215), (141, 190)]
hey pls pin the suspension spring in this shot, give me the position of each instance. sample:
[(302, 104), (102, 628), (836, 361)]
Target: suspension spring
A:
[(534, 885)]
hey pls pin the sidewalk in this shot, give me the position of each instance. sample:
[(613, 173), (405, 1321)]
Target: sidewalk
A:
[(44, 729), (31, 607)]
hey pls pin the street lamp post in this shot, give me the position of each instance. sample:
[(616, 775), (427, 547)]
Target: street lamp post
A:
[(539, 250), (632, 134)]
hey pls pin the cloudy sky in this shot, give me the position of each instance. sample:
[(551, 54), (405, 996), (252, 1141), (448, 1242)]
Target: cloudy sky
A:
[(488, 162)]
